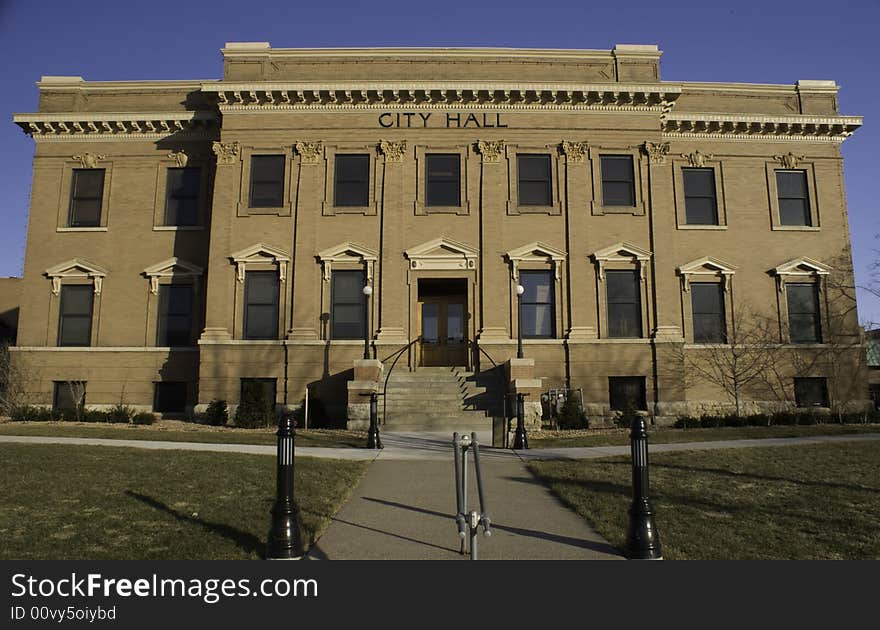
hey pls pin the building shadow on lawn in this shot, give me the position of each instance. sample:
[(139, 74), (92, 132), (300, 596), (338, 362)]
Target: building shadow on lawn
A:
[(243, 540)]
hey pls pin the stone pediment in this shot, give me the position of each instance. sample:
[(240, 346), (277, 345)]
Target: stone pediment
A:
[(172, 268), (441, 254), (802, 267), (260, 253), (76, 268), (705, 266), (535, 252), (348, 252), (621, 252)]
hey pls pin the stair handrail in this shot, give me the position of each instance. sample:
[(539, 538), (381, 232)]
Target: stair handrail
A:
[(396, 356), (504, 394)]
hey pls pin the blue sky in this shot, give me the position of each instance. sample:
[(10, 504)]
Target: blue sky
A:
[(756, 42)]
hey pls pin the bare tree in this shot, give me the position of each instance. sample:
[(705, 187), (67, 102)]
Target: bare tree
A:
[(13, 379)]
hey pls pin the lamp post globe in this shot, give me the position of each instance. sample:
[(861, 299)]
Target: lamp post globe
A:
[(520, 289), (367, 291)]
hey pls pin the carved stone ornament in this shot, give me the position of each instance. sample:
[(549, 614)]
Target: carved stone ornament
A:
[(226, 152), (393, 151), (657, 152), (575, 151), (697, 159), (89, 160), (180, 158), (310, 152), (789, 160), (491, 150)]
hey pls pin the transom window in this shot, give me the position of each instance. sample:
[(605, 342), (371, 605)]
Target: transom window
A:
[(624, 304), (347, 305), (626, 391), (75, 319), (352, 185), (267, 181), (707, 304), (534, 180), (701, 207), (618, 180), (261, 305), (537, 304), (182, 196), (811, 392), (443, 179), (86, 193), (794, 200), (803, 313), (175, 315)]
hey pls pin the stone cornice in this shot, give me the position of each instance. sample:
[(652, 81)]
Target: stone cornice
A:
[(79, 126), (283, 95), (683, 125)]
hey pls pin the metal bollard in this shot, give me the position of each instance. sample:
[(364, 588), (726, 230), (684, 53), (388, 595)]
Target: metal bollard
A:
[(520, 439), (642, 539), (284, 543), (464, 519), (373, 439)]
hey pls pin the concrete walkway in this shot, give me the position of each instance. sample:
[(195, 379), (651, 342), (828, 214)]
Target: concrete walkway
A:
[(404, 506)]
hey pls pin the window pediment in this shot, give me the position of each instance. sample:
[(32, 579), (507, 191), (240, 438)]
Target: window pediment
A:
[(172, 268), (535, 252), (621, 252), (706, 266), (260, 253), (441, 254), (799, 268), (76, 268), (348, 252)]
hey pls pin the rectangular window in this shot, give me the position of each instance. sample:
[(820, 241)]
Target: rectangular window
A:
[(707, 307), (170, 397), (267, 181), (347, 305), (182, 196), (624, 304), (443, 180), (533, 180), (794, 200), (75, 319), (701, 206), (618, 180), (258, 394), (803, 313), (86, 193), (624, 391), (537, 304), (261, 305), (174, 327), (69, 394), (352, 185), (810, 392)]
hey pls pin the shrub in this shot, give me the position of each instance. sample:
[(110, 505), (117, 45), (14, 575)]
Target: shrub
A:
[(120, 414), (29, 413), (572, 415), (216, 415), (93, 415), (254, 411), (624, 419), (143, 418), (687, 422)]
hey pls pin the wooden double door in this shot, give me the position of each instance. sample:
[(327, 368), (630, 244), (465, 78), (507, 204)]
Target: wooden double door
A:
[(443, 321)]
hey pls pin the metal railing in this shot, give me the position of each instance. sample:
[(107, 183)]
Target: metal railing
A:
[(505, 395), (396, 356), (465, 519)]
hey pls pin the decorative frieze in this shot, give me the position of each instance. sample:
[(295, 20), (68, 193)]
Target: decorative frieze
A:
[(86, 126), (310, 152), (491, 150), (656, 152), (575, 151), (226, 152), (750, 127), (88, 160), (393, 151)]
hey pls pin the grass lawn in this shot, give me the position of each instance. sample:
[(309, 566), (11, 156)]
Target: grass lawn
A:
[(172, 431), (619, 437), (799, 502), (99, 503)]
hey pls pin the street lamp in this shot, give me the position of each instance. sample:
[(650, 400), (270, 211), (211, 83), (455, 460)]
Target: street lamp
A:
[(520, 289), (368, 291)]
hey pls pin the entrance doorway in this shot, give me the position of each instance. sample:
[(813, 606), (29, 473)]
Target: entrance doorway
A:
[(443, 322)]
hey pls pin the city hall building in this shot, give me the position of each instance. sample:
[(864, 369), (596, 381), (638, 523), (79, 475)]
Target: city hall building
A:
[(193, 240)]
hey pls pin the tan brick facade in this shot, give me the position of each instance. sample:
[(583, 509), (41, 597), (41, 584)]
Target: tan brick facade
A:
[(397, 107)]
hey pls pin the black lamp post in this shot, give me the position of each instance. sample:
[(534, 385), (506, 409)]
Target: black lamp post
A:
[(642, 539), (373, 439), (519, 293), (520, 439), (368, 291), (284, 541)]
